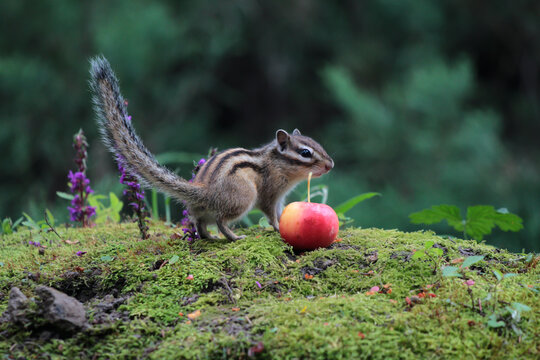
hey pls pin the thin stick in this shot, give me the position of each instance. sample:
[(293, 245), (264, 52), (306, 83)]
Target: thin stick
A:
[(308, 183), (51, 227)]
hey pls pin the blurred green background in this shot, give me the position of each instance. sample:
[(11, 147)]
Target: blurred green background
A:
[(426, 102)]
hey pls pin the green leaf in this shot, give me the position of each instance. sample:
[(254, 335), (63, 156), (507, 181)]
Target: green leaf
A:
[(509, 275), (50, 217), (436, 251), (155, 212), (450, 271), (30, 222), (495, 324), (64, 195), (472, 260), (481, 219), (349, 204), (418, 254), (106, 258), (520, 307), (174, 259), (16, 223), (438, 213), (429, 244), (498, 275), (6, 226), (263, 222)]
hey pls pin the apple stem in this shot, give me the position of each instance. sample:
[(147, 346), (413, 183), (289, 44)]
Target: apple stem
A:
[(308, 183)]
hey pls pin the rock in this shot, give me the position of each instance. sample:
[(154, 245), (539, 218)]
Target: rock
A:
[(17, 306), (60, 310)]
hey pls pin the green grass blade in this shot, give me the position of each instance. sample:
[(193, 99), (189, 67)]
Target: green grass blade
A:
[(349, 204)]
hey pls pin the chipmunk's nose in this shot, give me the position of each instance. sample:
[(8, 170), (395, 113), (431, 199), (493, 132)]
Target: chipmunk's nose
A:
[(329, 165)]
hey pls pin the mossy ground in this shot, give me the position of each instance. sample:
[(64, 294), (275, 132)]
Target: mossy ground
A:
[(256, 297)]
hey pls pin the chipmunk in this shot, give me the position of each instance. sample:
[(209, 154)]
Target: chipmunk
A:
[(229, 184)]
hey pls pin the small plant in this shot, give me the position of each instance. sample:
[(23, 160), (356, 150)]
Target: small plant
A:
[(135, 197), (454, 271), (344, 207), (79, 184), (41, 226), (431, 252), (509, 316), (106, 213), (494, 293), (103, 213), (480, 219), (8, 226)]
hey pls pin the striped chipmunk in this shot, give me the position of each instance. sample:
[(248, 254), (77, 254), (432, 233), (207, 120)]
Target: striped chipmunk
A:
[(229, 184)]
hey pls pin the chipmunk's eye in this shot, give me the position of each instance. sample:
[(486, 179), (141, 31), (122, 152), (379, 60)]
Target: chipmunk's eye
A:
[(304, 153)]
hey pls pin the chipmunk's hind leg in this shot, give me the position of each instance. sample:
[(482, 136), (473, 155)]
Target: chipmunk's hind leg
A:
[(222, 226), (203, 231)]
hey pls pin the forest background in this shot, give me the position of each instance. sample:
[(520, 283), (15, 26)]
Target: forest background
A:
[(426, 102)]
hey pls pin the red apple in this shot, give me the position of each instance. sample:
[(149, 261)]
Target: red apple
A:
[(307, 225)]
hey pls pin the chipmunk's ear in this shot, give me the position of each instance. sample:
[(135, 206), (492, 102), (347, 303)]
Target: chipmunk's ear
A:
[(282, 138), (296, 132)]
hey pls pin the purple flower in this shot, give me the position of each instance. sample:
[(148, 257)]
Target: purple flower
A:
[(79, 184), (80, 253), (135, 196), (258, 284), (201, 162)]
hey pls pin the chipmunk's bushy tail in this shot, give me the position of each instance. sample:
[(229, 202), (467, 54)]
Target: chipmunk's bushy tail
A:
[(121, 139)]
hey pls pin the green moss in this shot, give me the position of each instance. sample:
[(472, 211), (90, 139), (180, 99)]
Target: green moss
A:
[(311, 305)]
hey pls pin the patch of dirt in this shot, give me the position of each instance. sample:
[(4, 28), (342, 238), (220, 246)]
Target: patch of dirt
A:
[(402, 255), (342, 246), (105, 310), (467, 251), (187, 300), (233, 325), (157, 265), (319, 265), (86, 285)]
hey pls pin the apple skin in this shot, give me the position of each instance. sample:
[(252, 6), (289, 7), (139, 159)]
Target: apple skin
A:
[(308, 226)]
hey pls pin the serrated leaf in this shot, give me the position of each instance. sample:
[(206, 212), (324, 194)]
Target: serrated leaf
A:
[(472, 260), (349, 204), (481, 219), (498, 275), (438, 213), (418, 254), (509, 275), (106, 258), (450, 271), (174, 259)]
